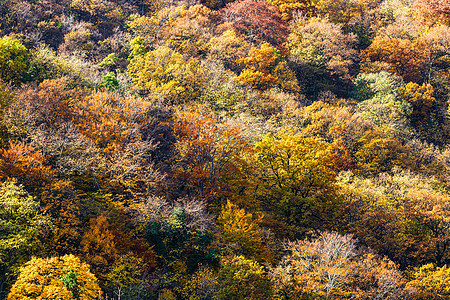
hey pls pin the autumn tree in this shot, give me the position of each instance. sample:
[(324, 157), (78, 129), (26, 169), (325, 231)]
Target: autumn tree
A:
[(228, 47), (331, 267), (221, 90), (13, 60), (166, 73), (78, 40), (45, 63), (98, 247), (379, 151), (424, 107), (403, 56), (108, 120), (434, 46), (380, 103), (28, 165), (344, 12), (185, 29), (126, 279), (296, 182), (288, 8), (7, 96), (180, 235), (436, 9), (52, 101), (64, 277), (258, 66), (400, 215), (322, 44), (210, 151), (242, 228), (203, 284), (60, 201), (242, 278), (430, 282), (258, 21), (116, 126), (188, 29), (21, 221), (338, 125), (322, 56)]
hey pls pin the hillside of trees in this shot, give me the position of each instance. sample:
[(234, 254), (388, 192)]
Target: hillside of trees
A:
[(226, 150)]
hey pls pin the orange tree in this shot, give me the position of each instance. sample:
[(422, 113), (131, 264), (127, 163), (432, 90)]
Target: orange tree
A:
[(405, 57), (210, 152), (259, 65)]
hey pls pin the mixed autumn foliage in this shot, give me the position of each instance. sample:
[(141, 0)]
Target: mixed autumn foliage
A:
[(250, 149)]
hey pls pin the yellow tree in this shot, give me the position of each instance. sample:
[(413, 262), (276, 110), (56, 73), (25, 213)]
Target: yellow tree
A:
[(295, 179), (243, 278), (379, 151), (228, 47), (294, 164), (424, 106), (288, 7), (343, 11), (64, 278), (20, 223), (242, 228), (403, 215), (430, 282), (183, 28), (166, 73)]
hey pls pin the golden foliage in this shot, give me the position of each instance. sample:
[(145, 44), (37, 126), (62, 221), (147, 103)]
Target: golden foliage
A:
[(258, 66), (42, 278)]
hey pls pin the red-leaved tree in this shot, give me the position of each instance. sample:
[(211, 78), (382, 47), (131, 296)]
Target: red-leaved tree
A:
[(259, 21)]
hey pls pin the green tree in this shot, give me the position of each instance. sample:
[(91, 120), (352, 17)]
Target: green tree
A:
[(380, 103), (20, 223), (243, 279), (13, 60)]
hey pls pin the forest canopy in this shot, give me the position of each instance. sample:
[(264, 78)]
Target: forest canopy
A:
[(248, 149)]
